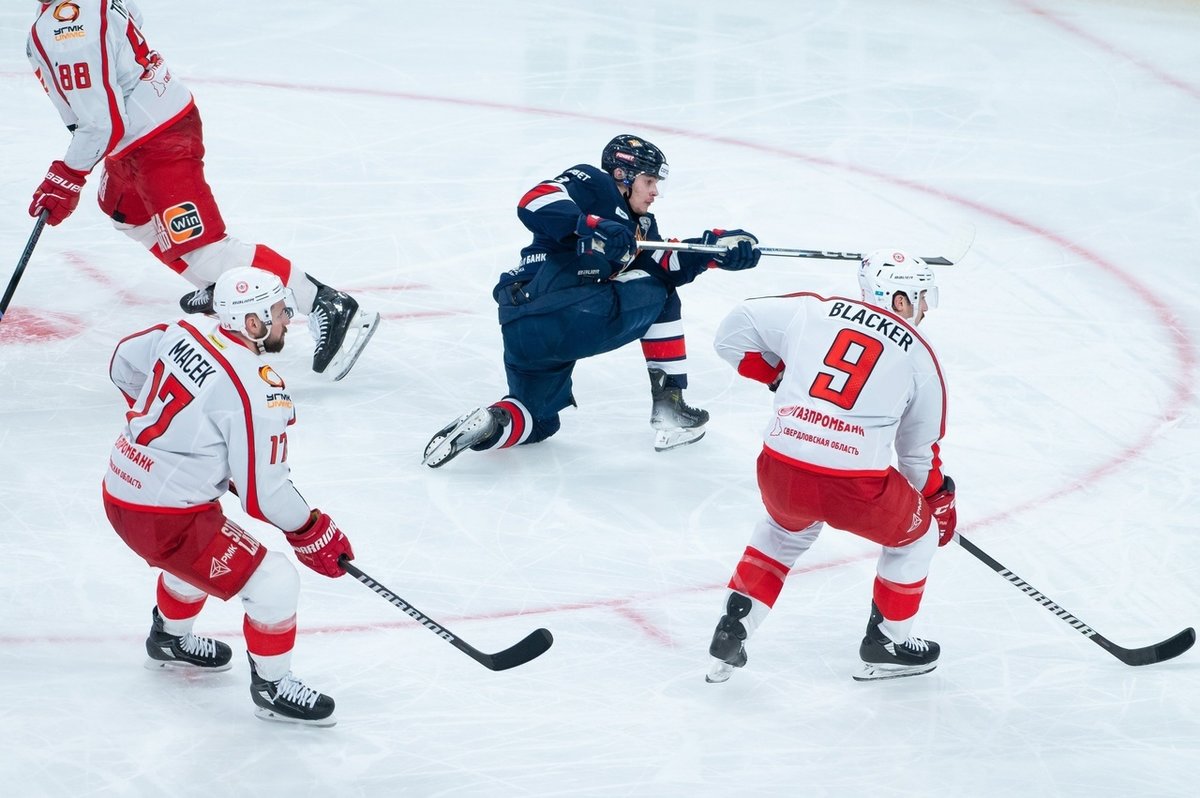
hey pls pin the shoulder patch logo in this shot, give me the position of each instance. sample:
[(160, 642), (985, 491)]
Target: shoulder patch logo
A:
[(271, 377), (66, 12)]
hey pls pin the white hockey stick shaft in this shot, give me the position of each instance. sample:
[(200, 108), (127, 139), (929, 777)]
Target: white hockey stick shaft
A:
[(815, 254)]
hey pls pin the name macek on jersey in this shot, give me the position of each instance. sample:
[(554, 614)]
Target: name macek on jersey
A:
[(193, 364), (872, 320)]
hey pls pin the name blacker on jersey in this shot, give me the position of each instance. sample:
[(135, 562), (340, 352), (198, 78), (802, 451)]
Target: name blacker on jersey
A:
[(875, 321)]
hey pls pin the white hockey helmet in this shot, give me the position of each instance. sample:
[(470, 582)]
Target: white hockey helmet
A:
[(248, 291), (886, 272)]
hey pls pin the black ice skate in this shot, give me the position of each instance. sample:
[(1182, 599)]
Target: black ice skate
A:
[(884, 658), (188, 652), (198, 301), (289, 700), (729, 640), (477, 429), (676, 423), (339, 330)]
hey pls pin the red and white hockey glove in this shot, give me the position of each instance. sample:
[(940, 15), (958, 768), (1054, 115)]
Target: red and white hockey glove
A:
[(944, 512), (319, 544), (58, 193), (755, 366)]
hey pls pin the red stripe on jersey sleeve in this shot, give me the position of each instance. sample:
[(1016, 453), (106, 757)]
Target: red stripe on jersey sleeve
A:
[(540, 190), (114, 110), (46, 60)]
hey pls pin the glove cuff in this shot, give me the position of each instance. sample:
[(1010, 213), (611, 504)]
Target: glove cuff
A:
[(586, 224), (313, 517)]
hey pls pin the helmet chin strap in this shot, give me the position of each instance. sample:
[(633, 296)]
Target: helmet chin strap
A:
[(259, 343)]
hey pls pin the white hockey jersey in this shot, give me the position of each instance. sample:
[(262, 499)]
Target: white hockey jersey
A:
[(205, 410), (109, 87), (856, 381)]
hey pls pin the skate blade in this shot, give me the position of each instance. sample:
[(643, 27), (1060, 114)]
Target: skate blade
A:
[(667, 439), (440, 451), (873, 672), (151, 664), (363, 327), (265, 714), (719, 673)]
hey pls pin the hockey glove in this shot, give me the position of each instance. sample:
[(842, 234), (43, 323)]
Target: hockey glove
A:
[(59, 193), (319, 544), (740, 249), (755, 366), (944, 512), (610, 240)]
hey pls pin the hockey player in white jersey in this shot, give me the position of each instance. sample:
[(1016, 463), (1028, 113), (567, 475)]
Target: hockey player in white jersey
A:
[(207, 415), (853, 380), (127, 110)]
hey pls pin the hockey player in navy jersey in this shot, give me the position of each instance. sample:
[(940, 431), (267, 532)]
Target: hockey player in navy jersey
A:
[(583, 288)]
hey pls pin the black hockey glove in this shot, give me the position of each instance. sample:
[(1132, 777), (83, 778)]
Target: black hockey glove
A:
[(740, 249), (610, 240)]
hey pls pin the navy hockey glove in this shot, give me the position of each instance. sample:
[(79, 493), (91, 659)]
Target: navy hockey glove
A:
[(740, 249), (610, 240), (944, 511)]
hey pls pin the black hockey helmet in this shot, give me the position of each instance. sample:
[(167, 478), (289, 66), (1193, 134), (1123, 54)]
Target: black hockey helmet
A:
[(626, 157)]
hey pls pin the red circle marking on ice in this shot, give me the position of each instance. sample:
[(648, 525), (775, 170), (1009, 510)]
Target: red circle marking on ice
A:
[(22, 326)]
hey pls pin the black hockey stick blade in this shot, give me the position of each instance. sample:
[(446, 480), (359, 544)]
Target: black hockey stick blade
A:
[(1146, 655), (531, 647), (23, 262)]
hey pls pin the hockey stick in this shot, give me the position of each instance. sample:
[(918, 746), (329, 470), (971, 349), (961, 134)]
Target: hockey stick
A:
[(533, 646), (1146, 655), (23, 262), (711, 249)]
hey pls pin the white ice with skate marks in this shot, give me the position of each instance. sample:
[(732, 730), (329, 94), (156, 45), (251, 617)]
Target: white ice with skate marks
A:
[(1068, 339)]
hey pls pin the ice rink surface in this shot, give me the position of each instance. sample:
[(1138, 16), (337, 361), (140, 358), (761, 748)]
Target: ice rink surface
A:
[(383, 146)]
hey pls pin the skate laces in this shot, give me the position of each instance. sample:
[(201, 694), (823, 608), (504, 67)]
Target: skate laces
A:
[(915, 644), (198, 646), (318, 325), (291, 689)]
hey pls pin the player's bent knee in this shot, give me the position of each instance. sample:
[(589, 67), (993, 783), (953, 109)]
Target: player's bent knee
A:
[(272, 593)]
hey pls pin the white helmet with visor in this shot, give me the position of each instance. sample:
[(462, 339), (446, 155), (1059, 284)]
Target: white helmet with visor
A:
[(247, 291), (887, 272)]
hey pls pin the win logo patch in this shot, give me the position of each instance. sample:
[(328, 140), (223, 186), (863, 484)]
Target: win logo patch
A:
[(183, 222)]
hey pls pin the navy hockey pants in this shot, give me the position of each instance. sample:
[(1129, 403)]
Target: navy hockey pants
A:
[(540, 349)]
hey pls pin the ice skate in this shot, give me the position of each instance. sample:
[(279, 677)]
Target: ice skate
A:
[(675, 422), (198, 301), (481, 425), (185, 652), (728, 647), (340, 331), (289, 700), (883, 658)]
